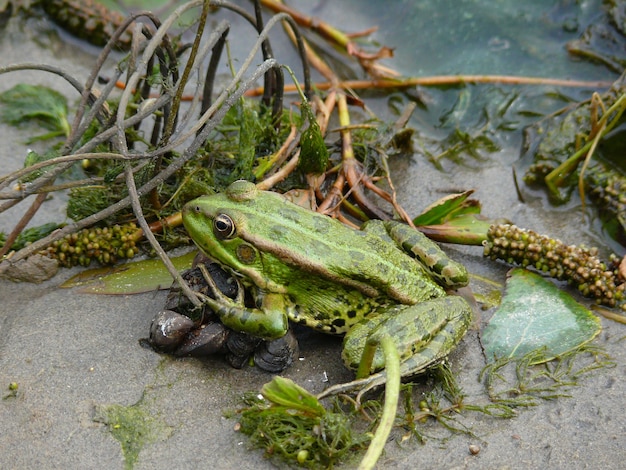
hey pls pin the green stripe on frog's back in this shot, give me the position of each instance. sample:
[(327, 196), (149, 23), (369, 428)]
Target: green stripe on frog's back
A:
[(323, 246)]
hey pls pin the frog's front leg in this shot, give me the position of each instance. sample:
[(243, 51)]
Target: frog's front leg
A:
[(268, 321), (423, 333), (446, 271)]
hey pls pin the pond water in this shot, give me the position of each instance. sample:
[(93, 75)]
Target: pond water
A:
[(484, 37), (478, 37)]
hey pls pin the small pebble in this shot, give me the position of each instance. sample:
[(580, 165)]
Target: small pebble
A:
[(474, 449)]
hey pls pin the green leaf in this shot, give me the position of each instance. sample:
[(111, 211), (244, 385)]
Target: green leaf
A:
[(36, 103), (446, 207), (129, 278), (467, 229), (534, 313), (285, 392)]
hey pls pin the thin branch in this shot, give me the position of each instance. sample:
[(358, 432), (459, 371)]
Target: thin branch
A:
[(446, 80)]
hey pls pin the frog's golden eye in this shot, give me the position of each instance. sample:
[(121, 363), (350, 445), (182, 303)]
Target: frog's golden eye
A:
[(223, 227)]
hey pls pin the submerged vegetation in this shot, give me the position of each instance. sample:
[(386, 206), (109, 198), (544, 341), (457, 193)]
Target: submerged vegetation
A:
[(290, 423)]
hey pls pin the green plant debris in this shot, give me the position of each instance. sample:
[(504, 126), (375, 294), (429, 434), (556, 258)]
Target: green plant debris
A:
[(511, 384), (442, 409), (244, 140), (133, 427), (88, 200), (313, 153), (30, 235), (448, 207), (88, 19), (40, 104), (32, 158), (535, 314), (604, 40), (248, 133), (530, 379), (582, 147), (454, 219), (105, 245), (458, 145), (289, 422), (607, 190), (13, 389)]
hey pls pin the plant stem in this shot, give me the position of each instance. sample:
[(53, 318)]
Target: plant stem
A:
[(392, 394)]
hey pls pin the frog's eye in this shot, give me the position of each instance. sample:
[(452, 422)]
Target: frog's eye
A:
[(223, 227)]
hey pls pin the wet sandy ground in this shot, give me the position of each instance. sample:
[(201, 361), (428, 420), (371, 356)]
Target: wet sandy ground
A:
[(71, 353)]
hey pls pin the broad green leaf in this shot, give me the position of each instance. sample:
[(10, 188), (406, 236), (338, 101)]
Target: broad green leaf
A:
[(129, 278), (33, 102), (285, 392), (467, 229), (534, 313)]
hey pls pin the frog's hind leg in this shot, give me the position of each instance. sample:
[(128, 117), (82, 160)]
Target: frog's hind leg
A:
[(423, 333), (442, 343)]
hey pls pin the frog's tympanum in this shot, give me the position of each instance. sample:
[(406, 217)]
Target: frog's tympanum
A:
[(307, 268)]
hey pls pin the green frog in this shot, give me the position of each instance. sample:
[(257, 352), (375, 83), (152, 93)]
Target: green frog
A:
[(310, 269)]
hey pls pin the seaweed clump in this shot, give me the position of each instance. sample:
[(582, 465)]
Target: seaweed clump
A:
[(288, 422)]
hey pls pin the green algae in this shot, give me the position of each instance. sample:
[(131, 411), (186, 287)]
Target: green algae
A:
[(133, 426)]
